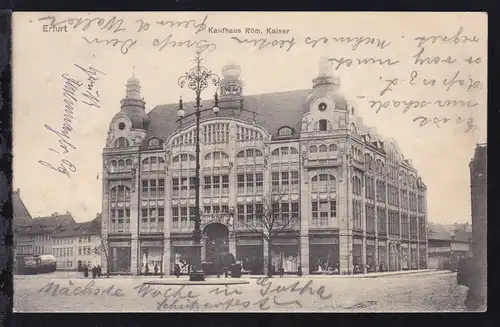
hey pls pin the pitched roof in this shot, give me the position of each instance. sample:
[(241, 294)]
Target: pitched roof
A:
[(460, 232), (44, 225), (22, 216), (455, 232), (438, 232), (273, 110), (78, 229)]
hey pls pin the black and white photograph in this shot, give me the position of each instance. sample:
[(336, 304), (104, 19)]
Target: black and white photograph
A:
[(249, 161)]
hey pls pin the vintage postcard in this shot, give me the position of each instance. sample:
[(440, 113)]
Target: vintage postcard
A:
[(250, 161)]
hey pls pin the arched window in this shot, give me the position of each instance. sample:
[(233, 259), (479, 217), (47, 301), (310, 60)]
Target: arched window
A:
[(121, 164), (293, 151), (120, 193), (285, 131), (323, 148), (184, 157), (208, 156), (121, 142), (128, 163), (313, 149), (258, 153), (113, 164), (276, 152), (176, 159), (356, 185), (323, 183), (322, 125), (284, 151), (333, 147), (154, 142)]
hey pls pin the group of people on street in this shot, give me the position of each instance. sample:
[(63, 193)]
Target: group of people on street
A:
[(146, 269), (96, 271)]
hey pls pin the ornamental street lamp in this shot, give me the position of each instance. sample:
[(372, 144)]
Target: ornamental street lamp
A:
[(197, 79)]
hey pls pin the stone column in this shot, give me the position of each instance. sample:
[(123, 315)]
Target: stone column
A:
[(345, 215), (204, 248), (105, 251), (232, 244), (167, 255), (134, 248), (304, 220)]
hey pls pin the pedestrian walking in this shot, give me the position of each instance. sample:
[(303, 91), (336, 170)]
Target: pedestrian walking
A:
[(85, 271), (177, 270), (146, 269), (156, 269), (99, 270), (299, 271), (94, 272), (281, 271)]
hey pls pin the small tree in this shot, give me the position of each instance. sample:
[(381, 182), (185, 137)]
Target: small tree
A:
[(270, 221)]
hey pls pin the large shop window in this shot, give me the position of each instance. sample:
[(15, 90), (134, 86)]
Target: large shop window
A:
[(183, 187), (151, 257), (216, 185), (250, 183), (183, 256), (356, 256), (120, 259), (324, 258), (286, 257), (382, 258), (370, 256)]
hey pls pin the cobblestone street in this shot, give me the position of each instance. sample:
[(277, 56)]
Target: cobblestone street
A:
[(428, 291)]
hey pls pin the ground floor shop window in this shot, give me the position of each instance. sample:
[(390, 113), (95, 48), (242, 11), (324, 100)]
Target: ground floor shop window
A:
[(357, 258), (251, 258), (405, 257), (394, 257), (370, 258), (185, 257), (414, 258), (422, 260), (151, 258), (324, 258), (120, 260), (285, 257), (382, 266)]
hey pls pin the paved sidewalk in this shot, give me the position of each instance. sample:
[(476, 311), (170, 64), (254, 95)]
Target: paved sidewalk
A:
[(183, 279), (370, 275)]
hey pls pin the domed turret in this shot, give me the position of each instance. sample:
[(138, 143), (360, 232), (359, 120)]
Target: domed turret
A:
[(133, 106), (325, 85), (231, 86)]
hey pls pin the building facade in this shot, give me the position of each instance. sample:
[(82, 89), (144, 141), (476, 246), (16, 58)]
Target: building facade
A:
[(447, 244), (36, 237), (21, 219), (77, 244), (356, 200)]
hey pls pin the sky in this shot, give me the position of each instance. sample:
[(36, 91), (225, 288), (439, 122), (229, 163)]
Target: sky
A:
[(440, 154)]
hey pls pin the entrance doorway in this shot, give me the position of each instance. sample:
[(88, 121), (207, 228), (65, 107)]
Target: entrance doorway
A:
[(217, 241)]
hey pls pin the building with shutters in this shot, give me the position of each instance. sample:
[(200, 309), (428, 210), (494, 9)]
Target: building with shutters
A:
[(77, 244), (358, 201)]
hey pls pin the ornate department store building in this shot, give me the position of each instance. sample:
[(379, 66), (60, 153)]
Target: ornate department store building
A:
[(356, 200)]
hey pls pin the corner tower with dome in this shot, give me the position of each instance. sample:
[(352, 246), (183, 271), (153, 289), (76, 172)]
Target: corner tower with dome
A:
[(359, 203)]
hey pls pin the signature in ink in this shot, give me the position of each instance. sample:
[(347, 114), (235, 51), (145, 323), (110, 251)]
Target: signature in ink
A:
[(91, 96)]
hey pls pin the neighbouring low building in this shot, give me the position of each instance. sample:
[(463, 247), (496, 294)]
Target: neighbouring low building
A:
[(448, 243), (22, 217), (36, 237), (77, 244)]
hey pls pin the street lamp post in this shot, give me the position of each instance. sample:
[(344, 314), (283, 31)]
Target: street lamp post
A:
[(197, 79)]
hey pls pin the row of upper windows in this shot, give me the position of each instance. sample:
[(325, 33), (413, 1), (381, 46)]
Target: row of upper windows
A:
[(323, 148)]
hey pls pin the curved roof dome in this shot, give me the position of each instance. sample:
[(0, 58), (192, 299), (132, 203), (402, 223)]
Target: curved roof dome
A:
[(325, 91), (139, 118)]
